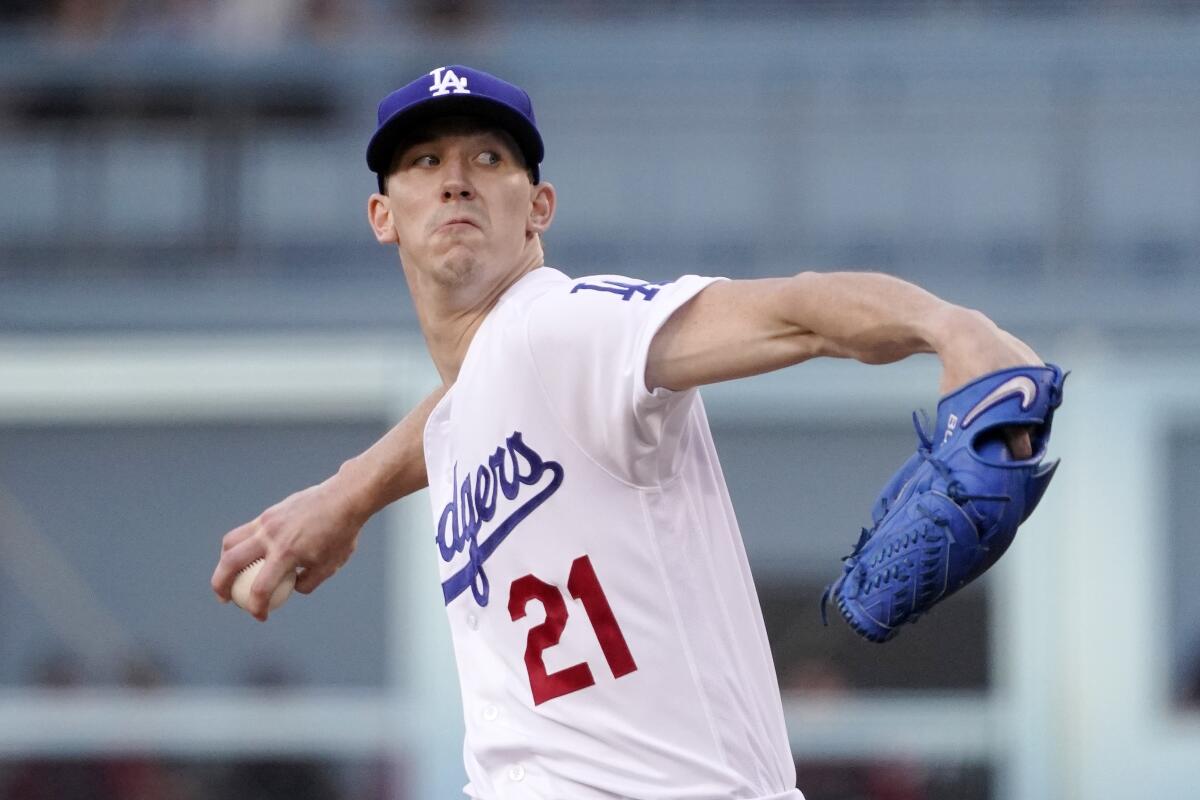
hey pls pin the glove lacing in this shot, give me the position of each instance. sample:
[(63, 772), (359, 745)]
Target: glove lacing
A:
[(954, 490)]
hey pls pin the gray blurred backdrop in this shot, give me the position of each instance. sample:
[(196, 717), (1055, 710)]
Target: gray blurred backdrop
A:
[(195, 321)]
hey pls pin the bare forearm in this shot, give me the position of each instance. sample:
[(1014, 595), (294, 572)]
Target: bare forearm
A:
[(393, 467), (878, 319), (869, 317), (734, 329)]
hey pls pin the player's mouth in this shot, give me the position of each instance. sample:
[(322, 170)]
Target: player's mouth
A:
[(457, 223)]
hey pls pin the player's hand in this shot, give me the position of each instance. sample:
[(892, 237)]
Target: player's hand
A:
[(972, 345), (314, 530)]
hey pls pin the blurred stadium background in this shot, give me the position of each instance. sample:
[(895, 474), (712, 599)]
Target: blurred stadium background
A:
[(195, 321)]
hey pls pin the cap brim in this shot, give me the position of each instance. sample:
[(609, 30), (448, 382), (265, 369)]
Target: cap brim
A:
[(382, 146)]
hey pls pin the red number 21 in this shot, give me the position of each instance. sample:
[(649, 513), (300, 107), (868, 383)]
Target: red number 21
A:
[(585, 587)]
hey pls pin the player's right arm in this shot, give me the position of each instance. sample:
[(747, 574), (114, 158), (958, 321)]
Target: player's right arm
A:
[(316, 529)]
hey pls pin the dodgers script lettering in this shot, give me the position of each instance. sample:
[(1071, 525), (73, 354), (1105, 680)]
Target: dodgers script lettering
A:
[(474, 504)]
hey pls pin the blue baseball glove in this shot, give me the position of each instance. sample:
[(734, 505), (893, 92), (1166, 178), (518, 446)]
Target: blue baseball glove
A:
[(955, 505)]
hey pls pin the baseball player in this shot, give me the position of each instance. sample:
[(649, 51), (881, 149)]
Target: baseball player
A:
[(605, 624)]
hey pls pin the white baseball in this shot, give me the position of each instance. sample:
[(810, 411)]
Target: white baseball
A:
[(245, 580)]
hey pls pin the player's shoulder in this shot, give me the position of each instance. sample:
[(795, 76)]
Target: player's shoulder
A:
[(571, 312), (604, 291)]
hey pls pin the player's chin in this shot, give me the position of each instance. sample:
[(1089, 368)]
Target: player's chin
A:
[(458, 266)]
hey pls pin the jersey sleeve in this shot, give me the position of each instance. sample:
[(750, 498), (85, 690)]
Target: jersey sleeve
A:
[(589, 340)]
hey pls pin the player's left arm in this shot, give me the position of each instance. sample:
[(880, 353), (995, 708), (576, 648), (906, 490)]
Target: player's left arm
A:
[(734, 329)]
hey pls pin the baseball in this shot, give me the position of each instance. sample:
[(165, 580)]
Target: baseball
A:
[(245, 579)]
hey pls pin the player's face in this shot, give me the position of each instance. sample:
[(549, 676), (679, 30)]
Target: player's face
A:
[(461, 203)]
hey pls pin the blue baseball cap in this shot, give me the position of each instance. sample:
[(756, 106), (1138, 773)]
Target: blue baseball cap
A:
[(449, 91)]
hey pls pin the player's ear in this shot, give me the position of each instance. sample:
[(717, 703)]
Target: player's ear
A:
[(541, 210), (379, 214)]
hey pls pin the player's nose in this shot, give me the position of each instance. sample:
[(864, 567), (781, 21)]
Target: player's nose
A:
[(455, 184), (460, 191)]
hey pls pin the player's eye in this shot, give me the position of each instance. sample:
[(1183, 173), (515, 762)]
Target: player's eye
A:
[(488, 157), (425, 160)]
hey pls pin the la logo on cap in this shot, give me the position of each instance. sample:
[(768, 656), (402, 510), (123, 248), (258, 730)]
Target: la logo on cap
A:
[(445, 81)]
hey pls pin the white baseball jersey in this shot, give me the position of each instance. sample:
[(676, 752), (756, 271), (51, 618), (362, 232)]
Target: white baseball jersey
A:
[(608, 636)]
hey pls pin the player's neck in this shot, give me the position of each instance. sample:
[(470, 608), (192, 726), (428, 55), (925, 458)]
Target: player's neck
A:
[(451, 316), (449, 338)]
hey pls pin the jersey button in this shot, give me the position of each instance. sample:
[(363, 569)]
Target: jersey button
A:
[(516, 773), (472, 621), (490, 713)]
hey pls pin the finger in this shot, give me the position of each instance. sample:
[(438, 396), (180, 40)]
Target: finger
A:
[(269, 578), (233, 561), (312, 577), (1019, 443), (238, 535)]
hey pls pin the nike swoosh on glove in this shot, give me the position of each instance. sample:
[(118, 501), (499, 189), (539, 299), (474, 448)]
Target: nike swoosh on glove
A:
[(954, 507)]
